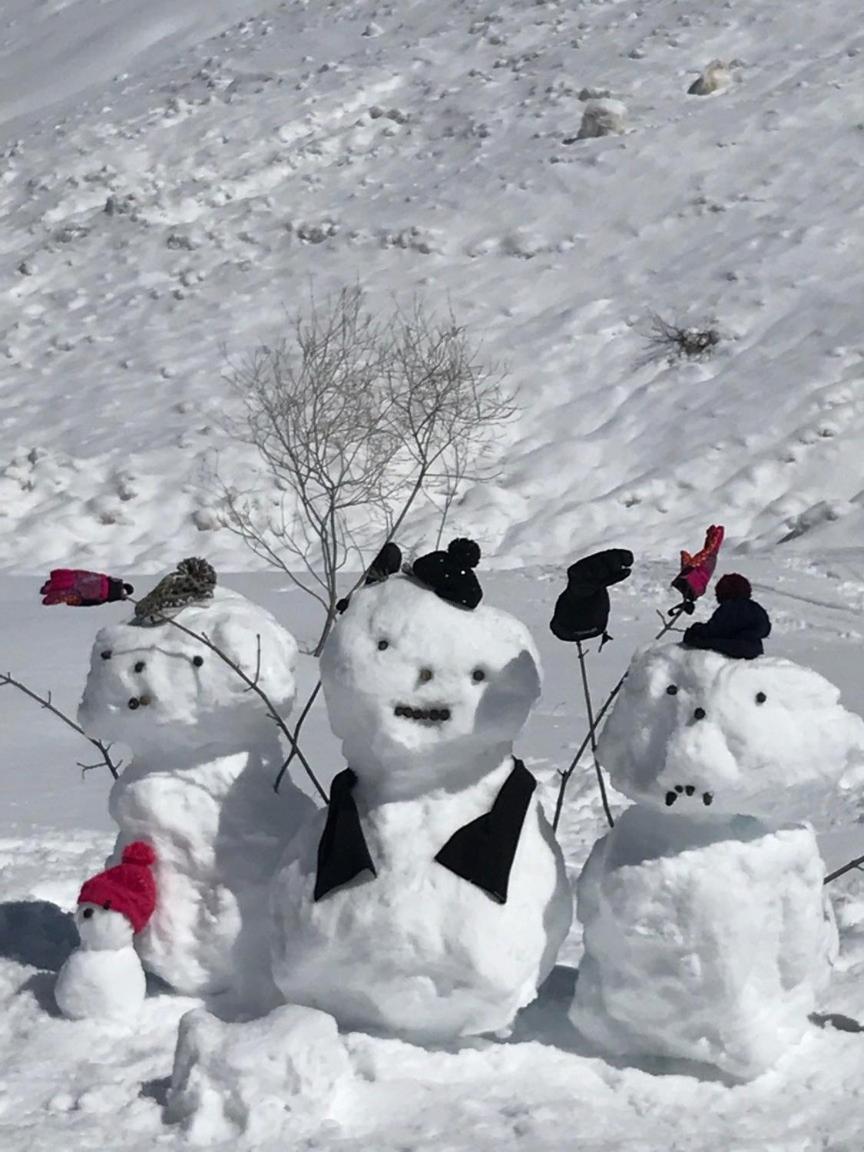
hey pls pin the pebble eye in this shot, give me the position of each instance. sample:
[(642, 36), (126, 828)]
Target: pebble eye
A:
[(478, 675), (197, 661), (761, 697), (382, 644), (672, 690), (106, 907), (106, 655), (139, 667)]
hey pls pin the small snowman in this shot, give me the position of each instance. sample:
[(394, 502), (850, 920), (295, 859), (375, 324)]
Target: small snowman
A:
[(199, 787), (708, 935), (430, 900), (103, 978)]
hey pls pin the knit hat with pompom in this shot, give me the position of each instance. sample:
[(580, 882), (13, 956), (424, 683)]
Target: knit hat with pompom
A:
[(450, 574), (732, 586), (128, 888)]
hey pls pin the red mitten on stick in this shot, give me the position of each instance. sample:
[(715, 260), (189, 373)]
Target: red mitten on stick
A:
[(696, 571), (79, 588)]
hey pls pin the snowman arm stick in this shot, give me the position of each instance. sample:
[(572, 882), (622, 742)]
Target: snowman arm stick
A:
[(668, 625), (856, 863), (255, 687), (592, 734), (46, 702)]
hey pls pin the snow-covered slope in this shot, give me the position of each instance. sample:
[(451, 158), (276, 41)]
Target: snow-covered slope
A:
[(173, 180)]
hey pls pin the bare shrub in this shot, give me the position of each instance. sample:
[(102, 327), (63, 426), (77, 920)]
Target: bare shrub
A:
[(354, 416), (675, 340)]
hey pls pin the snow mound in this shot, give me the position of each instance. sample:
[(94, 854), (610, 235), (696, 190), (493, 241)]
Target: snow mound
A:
[(157, 688), (708, 942), (708, 736), (276, 1078)]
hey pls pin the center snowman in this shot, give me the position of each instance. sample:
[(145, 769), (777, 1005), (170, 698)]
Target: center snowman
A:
[(430, 900)]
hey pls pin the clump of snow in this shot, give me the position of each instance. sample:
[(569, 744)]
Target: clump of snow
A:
[(603, 118), (103, 978), (427, 699), (713, 78), (705, 735), (708, 942), (199, 786), (275, 1078)]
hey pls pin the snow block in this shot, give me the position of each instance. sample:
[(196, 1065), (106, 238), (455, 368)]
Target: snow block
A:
[(275, 1078), (704, 941)]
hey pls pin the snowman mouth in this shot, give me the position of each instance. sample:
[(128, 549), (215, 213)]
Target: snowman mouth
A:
[(435, 715), (681, 790)]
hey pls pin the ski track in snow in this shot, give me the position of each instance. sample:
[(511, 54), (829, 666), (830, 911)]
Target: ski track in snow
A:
[(195, 175)]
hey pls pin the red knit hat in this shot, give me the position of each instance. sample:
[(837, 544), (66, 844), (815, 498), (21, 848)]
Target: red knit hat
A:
[(128, 888), (732, 586)]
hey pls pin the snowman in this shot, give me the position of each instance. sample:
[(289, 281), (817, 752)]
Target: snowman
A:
[(707, 932), (103, 978), (430, 900), (199, 785)]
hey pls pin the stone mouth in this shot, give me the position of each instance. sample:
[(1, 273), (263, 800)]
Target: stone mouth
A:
[(438, 714), (685, 792)]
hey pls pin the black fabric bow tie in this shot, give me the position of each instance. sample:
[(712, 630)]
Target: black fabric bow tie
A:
[(480, 852)]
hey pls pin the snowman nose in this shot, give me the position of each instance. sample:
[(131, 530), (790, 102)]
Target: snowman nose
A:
[(426, 675), (87, 913), (699, 714)]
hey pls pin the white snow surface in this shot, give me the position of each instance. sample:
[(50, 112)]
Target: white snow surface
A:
[(198, 786), (708, 942), (256, 1080), (712, 737), (96, 1085), (417, 951), (177, 174)]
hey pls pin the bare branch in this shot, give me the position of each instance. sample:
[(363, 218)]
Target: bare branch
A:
[(46, 702)]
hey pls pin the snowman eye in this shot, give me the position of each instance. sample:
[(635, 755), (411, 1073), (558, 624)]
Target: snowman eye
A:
[(761, 697), (139, 667), (106, 655), (672, 690), (106, 907), (382, 644), (197, 661), (478, 675)]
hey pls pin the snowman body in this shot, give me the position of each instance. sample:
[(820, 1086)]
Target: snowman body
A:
[(199, 786), (103, 978), (427, 699), (708, 935)]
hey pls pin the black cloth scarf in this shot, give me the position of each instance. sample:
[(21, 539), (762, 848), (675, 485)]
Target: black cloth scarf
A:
[(481, 852)]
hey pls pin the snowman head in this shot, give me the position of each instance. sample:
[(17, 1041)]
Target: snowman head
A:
[(102, 929), (155, 687), (425, 694), (697, 733)]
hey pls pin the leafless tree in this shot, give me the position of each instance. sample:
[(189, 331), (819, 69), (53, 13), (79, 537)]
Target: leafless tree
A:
[(354, 415)]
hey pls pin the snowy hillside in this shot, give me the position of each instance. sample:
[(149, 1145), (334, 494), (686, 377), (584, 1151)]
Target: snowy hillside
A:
[(175, 177)]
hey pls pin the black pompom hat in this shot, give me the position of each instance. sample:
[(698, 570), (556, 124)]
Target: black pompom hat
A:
[(450, 574)]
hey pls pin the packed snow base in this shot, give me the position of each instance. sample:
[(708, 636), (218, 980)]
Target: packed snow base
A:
[(199, 786), (427, 699), (705, 941)]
